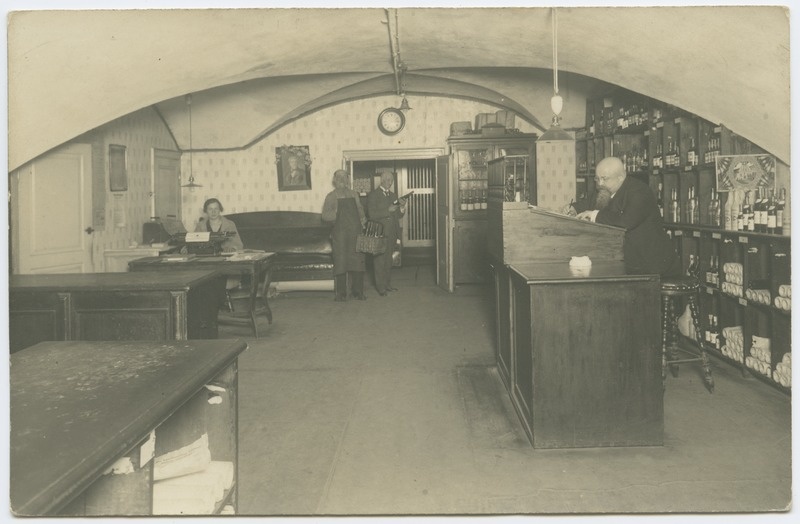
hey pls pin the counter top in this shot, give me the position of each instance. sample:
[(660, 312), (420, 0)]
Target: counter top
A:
[(562, 272)]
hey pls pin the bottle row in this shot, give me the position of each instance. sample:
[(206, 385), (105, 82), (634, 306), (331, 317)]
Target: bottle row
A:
[(473, 199), (763, 215)]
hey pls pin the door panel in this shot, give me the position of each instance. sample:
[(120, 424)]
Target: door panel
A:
[(444, 231), (166, 183), (418, 223), (54, 202)]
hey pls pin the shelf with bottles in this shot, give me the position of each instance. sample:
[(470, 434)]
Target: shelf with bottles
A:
[(472, 195), (746, 298), (617, 113), (589, 151)]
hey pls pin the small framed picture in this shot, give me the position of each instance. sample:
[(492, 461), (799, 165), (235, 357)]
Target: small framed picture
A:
[(294, 163), (117, 167)]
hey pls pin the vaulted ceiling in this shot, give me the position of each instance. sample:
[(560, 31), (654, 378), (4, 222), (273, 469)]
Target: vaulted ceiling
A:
[(252, 70)]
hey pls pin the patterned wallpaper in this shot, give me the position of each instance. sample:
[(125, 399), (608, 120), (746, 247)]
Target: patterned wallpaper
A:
[(247, 180), (126, 211), (555, 174)]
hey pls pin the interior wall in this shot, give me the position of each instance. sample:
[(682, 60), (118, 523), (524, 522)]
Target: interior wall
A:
[(247, 180), (126, 211)]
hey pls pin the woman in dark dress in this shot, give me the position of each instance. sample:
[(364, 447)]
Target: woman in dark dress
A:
[(343, 207)]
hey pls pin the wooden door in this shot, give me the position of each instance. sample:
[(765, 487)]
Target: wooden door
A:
[(444, 226), (54, 213), (166, 183)]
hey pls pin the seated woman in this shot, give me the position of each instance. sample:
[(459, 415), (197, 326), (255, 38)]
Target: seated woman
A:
[(216, 223)]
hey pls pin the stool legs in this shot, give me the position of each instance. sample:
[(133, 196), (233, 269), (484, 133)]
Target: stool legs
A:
[(669, 341), (707, 378)]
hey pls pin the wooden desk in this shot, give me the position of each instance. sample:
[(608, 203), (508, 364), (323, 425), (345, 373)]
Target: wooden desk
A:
[(257, 266), (78, 407), (586, 355), (113, 306)]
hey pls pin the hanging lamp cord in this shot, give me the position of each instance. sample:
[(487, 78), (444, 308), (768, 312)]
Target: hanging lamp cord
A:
[(555, 50)]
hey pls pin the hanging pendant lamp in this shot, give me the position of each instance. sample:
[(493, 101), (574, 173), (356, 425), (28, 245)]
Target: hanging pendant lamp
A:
[(191, 185), (556, 102)]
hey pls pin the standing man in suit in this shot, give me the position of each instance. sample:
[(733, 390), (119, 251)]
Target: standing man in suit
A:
[(630, 204), (383, 206)]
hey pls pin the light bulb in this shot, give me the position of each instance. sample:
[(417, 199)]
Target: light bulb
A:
[(556, 104)]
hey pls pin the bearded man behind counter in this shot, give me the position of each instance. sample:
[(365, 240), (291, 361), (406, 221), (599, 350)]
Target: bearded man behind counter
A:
[(630, 204)]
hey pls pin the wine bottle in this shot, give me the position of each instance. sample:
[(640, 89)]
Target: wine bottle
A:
[(714, 209), (730, 220), (660, 199), (747, 212), (670, 150), (740, 224), (400, 200), (692, 210), (674, 207), (758, 208), (779, 207), (691, 154), (772, 219)]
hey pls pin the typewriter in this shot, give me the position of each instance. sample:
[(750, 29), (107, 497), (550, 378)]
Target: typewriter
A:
[(171, 231)]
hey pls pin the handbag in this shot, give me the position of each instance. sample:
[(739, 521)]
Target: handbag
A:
[(371, 239)]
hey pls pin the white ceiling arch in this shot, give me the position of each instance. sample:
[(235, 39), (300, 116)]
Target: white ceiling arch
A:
[(71, 71)]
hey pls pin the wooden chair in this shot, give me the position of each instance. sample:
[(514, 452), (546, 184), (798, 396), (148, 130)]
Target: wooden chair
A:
[(245, 305)]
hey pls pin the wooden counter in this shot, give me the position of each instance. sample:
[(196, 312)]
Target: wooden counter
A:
[(585, 355), (78, 407), (113, 306)]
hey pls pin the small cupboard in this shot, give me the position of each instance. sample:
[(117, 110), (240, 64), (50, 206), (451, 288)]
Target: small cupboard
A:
[(106, 428)]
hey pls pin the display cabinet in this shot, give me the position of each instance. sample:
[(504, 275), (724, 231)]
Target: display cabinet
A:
[(510, 178), (466, 200)]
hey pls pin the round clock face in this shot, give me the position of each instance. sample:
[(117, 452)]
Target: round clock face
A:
[(391, 121)]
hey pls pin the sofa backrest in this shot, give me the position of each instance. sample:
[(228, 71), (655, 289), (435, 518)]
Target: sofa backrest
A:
[(283, 231)]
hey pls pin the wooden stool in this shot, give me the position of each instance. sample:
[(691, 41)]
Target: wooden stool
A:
[(670, 289)]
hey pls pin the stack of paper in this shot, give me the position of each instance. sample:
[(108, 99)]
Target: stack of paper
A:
[(193, 494), (191, 458)]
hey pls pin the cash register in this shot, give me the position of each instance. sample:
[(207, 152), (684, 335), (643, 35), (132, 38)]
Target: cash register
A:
[(170, 230)]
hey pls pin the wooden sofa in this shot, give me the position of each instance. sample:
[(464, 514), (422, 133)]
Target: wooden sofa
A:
[(301, 241)]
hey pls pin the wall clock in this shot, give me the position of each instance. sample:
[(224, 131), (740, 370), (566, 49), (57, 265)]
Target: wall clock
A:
[(391, 121)]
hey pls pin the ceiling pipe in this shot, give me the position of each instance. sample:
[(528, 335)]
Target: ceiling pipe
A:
[(394, 49)]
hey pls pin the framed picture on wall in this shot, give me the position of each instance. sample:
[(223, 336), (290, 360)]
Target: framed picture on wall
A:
[(745, 172), (294, 168), (117, 167)]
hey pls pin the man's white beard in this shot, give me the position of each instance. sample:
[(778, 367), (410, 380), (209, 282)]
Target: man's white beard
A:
[(603, 198)]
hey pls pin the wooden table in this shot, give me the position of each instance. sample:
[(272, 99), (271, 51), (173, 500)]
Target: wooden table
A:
[(586, 355), (256, 266), (113, 306), (78, 407)]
